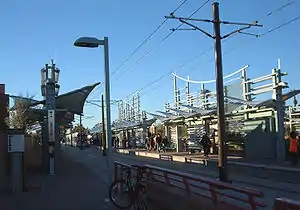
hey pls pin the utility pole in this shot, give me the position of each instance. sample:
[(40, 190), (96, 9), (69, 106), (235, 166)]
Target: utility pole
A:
[(222, 155), (103, 127)]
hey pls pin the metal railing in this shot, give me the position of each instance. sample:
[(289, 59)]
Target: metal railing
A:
[(286, 204), (214, 190)]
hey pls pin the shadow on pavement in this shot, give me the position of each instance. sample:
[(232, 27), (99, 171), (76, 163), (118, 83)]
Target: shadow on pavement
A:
[(74, 187)]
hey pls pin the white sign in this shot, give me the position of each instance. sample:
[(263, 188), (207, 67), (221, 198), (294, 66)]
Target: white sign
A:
[(51, 125), (16, 143)]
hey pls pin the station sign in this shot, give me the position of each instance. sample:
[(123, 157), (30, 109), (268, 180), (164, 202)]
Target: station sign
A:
[(51, 125)]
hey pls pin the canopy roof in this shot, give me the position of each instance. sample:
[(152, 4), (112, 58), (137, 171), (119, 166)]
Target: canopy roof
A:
[(72, 101), (230, 107), (128, 124)]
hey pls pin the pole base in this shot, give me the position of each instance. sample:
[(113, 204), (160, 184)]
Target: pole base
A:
[(223, 175), (104, 153)]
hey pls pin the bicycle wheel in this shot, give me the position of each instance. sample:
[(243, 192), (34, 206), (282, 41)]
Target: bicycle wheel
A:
[(140, 206), (121, 194)]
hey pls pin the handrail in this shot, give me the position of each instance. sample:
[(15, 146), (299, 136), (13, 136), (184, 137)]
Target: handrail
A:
[(286, 204), (222, 185), (215, 187)]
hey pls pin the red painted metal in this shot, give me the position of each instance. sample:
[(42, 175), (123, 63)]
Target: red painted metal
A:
[(186, 184), (216, 188), (286, 204)]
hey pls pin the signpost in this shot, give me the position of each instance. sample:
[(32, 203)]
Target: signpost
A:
[(16, 147), (16, 143), (51, 128)]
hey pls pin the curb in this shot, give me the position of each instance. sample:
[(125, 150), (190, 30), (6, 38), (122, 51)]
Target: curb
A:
[(203, 161)]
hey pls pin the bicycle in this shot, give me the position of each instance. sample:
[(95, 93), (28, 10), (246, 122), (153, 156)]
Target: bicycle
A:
[(128, 191)]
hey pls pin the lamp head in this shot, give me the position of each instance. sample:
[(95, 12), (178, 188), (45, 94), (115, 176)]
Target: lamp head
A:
[(90, 42)]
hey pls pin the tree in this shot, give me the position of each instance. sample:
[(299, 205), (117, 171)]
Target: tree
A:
[(20, 113), (77, 128), (184, 132), (160, 128)]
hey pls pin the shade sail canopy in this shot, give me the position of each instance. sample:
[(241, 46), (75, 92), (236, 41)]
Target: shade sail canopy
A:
[(22, 100), (72, 101)]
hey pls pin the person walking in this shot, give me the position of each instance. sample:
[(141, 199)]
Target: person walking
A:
[(158, 142), (206, 144), (293, 148)]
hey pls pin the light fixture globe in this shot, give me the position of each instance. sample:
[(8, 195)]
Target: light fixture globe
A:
[(43, 90), (43, 76), (57, 87), (56, 75)]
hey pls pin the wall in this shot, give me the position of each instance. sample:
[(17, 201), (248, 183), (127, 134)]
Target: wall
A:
[(161, 196), (4, 158), (32, 154), (260, 143)]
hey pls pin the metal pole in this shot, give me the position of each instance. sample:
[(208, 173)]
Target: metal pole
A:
[(80, 137), (144, 117), (175, 92), (50, 107), (188, 91), (245, 87), (222, 163), (103, 137), (280, 117), (71, 131), (203, 97), (107, 105)]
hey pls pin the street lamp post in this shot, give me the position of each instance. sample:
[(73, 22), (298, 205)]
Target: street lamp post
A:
[(50, 89), (92, 42)]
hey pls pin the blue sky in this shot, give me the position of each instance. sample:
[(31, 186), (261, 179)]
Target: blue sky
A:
[(35, 31)]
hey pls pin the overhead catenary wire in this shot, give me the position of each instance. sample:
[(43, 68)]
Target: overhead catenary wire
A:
[(146, 40), (264, 34), (280, 26), (211, 48), (162, 40)]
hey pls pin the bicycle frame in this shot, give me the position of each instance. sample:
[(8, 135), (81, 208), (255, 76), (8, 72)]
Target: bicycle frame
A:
[(137, 186)]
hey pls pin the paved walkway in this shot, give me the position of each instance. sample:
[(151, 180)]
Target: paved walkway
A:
[(74, 188), (199, 158)]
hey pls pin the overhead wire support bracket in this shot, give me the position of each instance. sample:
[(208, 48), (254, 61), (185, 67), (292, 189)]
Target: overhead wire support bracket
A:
[(196, 27), (183, 29), (255, 23), (191, 19), (234, 32), (250, 34)]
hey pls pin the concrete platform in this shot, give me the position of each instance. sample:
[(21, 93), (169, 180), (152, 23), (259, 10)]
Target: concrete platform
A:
[(267, 170)]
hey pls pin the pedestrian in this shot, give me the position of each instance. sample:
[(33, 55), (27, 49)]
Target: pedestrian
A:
[(152, 143), (124, 142), (158, 142), (293, 148), (206, 143), (117, 142), (147, 143)]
